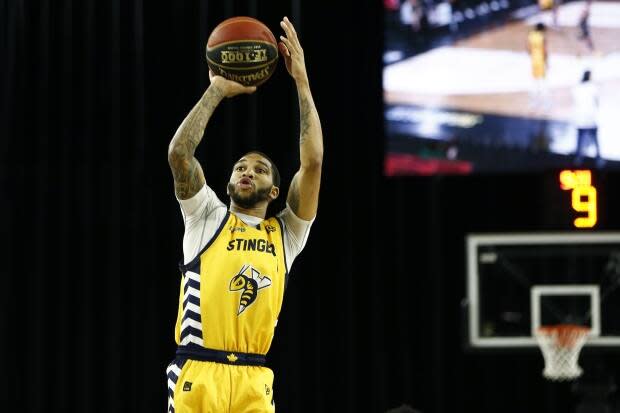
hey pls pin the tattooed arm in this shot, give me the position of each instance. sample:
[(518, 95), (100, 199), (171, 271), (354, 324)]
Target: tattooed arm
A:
[(303, 194), (187, 172)]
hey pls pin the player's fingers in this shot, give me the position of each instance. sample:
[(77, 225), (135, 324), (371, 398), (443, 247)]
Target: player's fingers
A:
[(283, 49), (288, 44), (290, 26), (289, 30), (286, 29), (293, 48)]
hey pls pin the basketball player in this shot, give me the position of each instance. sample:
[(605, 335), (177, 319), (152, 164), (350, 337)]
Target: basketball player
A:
[(236, 261), (586, 103), (554, 12), (545, 4), (584, 26), (537, 48)]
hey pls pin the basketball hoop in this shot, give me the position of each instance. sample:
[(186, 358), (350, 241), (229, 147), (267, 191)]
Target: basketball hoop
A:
[(560, 345)]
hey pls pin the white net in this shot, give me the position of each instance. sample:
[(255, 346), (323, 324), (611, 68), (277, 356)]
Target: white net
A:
[(560, 346)]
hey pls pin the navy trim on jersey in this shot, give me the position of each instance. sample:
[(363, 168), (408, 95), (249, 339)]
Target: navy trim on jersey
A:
[(189, 265)]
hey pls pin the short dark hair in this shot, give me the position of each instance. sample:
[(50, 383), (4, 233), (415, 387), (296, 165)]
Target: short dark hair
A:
[(275, 173), (540, 27), (586, 76)]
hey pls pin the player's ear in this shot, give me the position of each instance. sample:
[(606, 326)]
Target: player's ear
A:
[(273, 194)]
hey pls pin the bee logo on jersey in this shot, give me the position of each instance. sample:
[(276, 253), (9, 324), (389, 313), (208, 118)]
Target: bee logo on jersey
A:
[(248, 281)]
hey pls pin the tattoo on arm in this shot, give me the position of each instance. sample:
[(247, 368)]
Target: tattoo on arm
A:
[(187, 173), (305, 112), (188, 178)]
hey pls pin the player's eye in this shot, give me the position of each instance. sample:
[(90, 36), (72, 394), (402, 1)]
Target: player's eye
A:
[(239, 168)]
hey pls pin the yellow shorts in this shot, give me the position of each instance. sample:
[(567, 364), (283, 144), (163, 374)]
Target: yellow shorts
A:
[(209, 387)]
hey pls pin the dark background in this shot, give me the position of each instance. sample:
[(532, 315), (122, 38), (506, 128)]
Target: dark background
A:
[(91, 94)]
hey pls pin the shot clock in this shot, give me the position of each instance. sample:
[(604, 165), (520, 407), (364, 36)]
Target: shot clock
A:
[(583, 196)]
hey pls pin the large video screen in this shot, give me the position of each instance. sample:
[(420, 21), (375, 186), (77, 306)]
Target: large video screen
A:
[(474, 86)]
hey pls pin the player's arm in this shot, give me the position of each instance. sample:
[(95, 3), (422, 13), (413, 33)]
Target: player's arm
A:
[(186, 170), (303, 194)]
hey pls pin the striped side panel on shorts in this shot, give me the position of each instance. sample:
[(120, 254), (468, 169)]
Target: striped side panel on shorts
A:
[(172, 373)]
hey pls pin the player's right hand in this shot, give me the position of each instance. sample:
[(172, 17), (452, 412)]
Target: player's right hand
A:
[(229, 88)]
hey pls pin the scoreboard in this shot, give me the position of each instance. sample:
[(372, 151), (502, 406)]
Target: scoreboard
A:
[(583, 199), (579, 200)]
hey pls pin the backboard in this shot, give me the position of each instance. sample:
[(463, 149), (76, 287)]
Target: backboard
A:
[(518, 282)]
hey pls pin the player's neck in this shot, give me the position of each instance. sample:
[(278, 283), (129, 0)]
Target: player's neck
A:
[(259, 210)]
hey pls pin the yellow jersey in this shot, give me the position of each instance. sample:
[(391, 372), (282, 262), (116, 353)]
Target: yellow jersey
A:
[(545, 4), (536, 41), (231, 293)]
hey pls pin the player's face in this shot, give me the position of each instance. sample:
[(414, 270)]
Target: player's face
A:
[(251, 181)]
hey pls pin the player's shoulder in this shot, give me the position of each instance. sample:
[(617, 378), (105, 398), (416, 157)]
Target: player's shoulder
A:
[(288, 218), (205, 200)]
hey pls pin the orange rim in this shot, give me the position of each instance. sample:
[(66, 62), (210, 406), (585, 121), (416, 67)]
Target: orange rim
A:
[(566, 335)]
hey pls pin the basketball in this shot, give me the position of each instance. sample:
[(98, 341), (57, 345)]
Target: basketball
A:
[(242, 49)]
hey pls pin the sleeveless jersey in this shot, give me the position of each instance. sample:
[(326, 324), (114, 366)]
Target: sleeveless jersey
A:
[(231, 293), (537, 50), (545, 4), (537, 45)]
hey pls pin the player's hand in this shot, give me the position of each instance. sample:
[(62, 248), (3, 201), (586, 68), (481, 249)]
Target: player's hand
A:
[(293, 54), (229, 88)]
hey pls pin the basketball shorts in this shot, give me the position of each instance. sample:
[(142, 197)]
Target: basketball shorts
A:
[(209, 387)]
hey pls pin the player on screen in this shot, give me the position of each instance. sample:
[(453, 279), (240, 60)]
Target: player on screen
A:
[(555, 9), (236, 261), (545, 4), (537, 48), (584, 26), (586, 103)]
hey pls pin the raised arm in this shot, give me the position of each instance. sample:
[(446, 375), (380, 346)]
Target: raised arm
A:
[(186, 170), (303, 193)]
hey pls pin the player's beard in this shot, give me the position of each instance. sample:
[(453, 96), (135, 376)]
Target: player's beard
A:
[(249, 200)]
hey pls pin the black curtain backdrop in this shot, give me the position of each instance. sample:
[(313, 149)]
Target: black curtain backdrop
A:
[(91, 94)]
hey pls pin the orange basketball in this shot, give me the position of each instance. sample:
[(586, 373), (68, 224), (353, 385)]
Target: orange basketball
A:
[(242, 49)]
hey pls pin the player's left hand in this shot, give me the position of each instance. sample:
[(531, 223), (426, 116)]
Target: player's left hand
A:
[(293, 54)]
